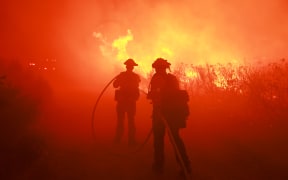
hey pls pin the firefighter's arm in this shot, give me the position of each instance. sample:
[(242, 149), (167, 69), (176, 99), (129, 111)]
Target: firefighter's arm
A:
[(117, 81)]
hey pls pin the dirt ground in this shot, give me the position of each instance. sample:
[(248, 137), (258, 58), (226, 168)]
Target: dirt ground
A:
[(219, 149)]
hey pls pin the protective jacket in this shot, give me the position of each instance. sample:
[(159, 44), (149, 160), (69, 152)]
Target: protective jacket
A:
[(169, 100), (128, 83)]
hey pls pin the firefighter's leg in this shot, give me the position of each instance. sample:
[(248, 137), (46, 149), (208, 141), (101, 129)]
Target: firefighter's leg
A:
[(120, 122), (131, 110), (158, 134), (181, 148)]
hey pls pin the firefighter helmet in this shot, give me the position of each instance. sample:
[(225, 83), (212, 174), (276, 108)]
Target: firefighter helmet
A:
[(130, 62), (160, 62)]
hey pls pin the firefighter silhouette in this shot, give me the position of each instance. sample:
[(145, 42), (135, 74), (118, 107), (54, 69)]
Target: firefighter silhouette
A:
[(170, 112), (126, 95)]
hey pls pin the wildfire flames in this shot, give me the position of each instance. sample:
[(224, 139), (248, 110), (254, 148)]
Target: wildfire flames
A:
[(236, 77), (231, 56)]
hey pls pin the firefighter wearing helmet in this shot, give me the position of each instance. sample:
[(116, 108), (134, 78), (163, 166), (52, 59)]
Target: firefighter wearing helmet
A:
[(170, 110), (126, 95), (130, 62), (160, 63)]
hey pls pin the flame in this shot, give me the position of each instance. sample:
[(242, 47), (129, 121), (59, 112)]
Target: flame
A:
[(120, 45), (168, 45), (191, 74)]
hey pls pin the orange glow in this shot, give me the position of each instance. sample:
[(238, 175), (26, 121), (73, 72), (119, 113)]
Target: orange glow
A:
[(118, 50), (222, 52)]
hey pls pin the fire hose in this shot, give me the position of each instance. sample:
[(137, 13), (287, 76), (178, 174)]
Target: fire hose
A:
[(172, 140)]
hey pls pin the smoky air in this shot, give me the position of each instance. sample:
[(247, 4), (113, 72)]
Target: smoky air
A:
[(58, 60)]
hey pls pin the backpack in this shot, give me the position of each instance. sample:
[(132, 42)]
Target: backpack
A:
[(175, 108)]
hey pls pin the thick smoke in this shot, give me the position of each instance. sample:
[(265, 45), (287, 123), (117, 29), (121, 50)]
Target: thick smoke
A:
[(181, 31), (82, 36)]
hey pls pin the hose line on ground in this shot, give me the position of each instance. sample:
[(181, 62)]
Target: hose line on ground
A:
[(174, 144)]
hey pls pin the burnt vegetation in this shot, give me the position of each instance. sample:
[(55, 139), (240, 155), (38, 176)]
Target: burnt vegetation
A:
[(23, 95), (241, 108), (240, 90)]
